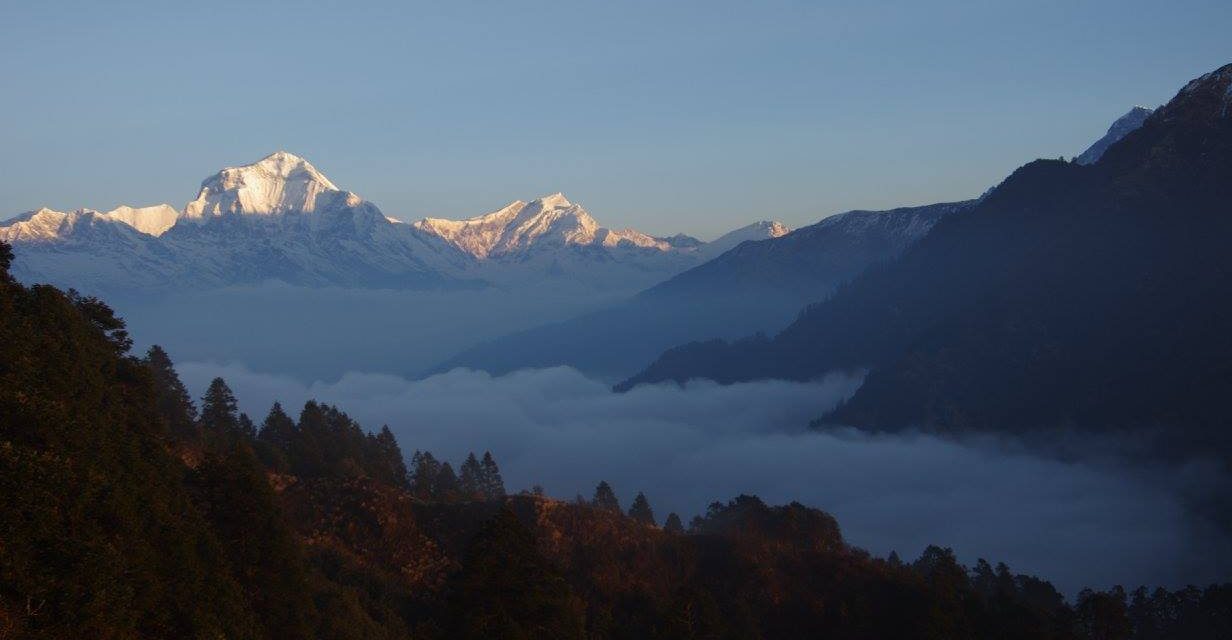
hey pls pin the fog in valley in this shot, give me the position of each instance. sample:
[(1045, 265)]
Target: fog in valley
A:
[(1077, 523)]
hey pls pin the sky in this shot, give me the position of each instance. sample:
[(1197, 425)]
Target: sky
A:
[(693, 117)]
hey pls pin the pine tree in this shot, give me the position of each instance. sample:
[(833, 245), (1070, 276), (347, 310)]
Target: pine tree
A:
[(494, 484), (447, 488), (641, 511), (605, 498), (471, 479), (278, 429), (218, 411), (423, 477), (893, 560), (389, 466), (673, 525), (507, 590), (174, 403), (246, 427)]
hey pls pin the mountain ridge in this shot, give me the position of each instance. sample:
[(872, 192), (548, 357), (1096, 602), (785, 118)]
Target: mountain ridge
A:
[(280, 218), (1072, 294)]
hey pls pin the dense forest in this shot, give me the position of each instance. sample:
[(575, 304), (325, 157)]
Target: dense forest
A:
[(131, 511)]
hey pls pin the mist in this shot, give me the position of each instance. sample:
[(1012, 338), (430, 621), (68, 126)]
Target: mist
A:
[(321, 333), (1076, 523)]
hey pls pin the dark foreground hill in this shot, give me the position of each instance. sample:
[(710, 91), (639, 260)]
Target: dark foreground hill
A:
[(129, 514), (1096, 297)]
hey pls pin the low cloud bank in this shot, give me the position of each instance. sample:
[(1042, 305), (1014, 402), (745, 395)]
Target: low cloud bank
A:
[(1073, 523)]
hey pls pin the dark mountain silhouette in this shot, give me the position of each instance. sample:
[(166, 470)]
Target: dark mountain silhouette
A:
[(1097, 296), (757, 286)]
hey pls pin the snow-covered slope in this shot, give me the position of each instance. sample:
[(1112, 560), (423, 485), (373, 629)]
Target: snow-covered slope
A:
[(48, 225), (1119, 129), (551, 237), (276, 219), (520, 227), (281, 219)]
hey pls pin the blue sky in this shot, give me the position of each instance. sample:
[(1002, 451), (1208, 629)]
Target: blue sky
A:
[(665, 116)]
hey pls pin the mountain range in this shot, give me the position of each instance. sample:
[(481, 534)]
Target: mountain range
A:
[(282, 219), (1096, 295), (756, 286)]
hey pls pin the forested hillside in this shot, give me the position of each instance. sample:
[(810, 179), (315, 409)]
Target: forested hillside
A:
[(132, 512)]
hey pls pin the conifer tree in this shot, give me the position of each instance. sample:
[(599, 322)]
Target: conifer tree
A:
[(218, 410), (174, 403), (388, 465), (470, 480), (423, 477), (494, 484), (447, 488), (672, 524), (246, 427), (640, 510), (278, 429), (893, 560), (605, 498)]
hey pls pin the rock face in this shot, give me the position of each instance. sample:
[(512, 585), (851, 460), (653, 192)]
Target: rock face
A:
[(281, 219)]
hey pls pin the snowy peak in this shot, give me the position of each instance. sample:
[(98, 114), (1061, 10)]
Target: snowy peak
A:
[(152, 221), (550, 221), (1121, 127), (761, 230), (49, 225), (46, 226), (279, 183)]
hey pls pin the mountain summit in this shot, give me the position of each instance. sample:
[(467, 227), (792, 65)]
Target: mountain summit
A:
[(280, 218), (279, 183), (519, 227)]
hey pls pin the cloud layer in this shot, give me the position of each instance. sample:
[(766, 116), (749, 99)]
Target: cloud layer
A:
[(1073, 523)]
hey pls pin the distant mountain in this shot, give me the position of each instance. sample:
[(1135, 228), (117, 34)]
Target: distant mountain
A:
[(1119, 129), (1090, 295), (554, 238), (281, 219), (755, 286)]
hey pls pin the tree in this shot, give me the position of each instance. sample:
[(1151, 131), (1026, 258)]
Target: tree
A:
[(246, 427), (423, 476), (173, 401), (1103, 615), (447, 487), (278, 429), (6, 262), (893, 560), (640, 510), (673, 525), (387, 463), (218, 410), (471, 481), (605, 498), (506, 590), (494, 484)]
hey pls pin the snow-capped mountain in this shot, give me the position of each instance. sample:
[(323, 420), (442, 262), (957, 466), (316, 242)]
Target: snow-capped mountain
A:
[(761, 230), (1121, 127), (520, 227), (281, 219)]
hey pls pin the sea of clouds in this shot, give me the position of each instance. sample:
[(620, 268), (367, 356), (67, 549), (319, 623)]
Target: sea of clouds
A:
[(1074, 522)]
